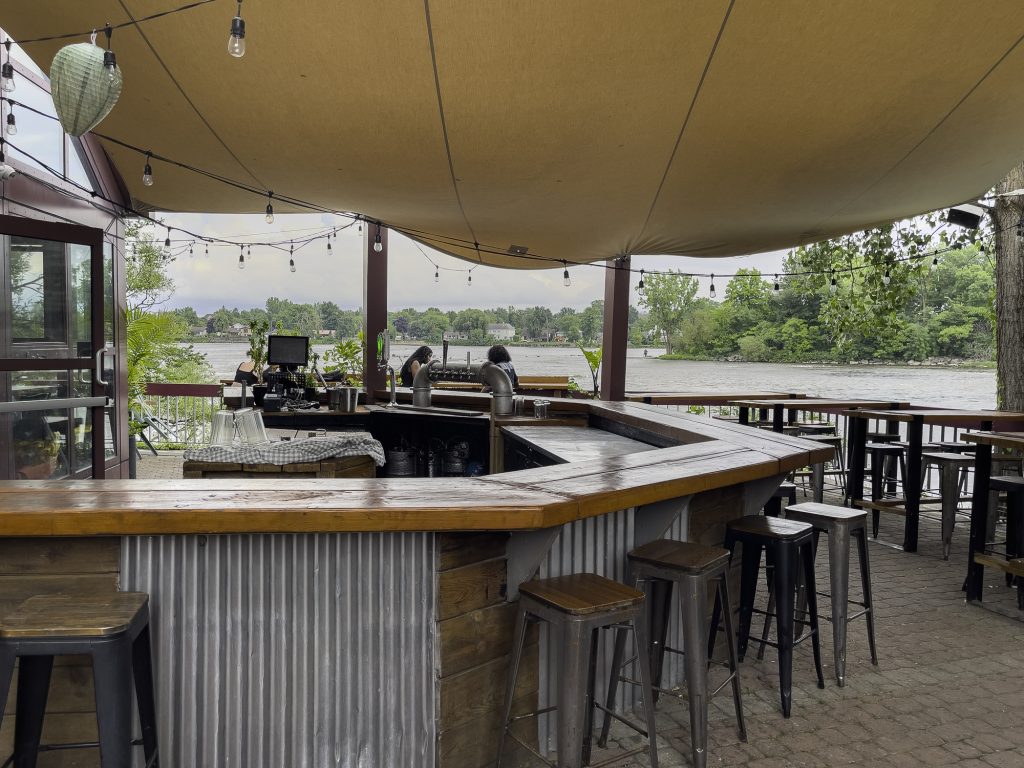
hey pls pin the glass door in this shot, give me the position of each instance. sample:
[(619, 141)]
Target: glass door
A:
[(56, 370)]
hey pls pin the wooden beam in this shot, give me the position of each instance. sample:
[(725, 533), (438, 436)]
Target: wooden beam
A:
[(616, 329), (375, 305)]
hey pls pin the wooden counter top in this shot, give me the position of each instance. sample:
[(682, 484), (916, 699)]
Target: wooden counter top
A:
[(571, 444), (713, 455)]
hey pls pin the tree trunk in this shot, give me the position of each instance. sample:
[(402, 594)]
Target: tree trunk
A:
[(1009, 294)]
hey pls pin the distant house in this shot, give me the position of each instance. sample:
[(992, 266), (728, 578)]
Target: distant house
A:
[(559, 337), (238, 329), (199, 330), (324, 333), (455, 336), (501, 331)]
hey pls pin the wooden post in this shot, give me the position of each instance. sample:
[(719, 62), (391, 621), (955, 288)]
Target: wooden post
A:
[(375, 305), (616, 329)]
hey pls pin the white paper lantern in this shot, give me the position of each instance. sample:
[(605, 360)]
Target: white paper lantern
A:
[(84, 91)]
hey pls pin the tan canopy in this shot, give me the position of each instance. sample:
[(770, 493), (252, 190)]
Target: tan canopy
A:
[(578, 129)]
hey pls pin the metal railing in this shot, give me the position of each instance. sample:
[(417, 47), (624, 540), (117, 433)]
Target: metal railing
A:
[(179, 414)]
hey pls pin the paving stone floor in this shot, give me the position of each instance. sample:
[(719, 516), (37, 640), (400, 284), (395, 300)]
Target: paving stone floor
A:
[(948, 690)]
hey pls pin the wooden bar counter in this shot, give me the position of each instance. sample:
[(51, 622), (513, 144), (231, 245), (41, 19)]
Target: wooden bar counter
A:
[(315, 622)]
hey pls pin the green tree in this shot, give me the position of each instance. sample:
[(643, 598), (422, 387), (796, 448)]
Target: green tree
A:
[(669, 298)]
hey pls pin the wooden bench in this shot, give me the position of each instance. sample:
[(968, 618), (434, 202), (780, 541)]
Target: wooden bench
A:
[(555, 386)]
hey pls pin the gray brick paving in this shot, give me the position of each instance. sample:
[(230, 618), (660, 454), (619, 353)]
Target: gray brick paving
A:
[(949, 688)]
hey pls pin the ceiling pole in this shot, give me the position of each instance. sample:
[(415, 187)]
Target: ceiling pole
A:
[(616, 329), (375, 305)]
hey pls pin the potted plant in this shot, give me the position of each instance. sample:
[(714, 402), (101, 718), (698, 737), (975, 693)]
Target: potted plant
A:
[(258, 355), (344, 363)]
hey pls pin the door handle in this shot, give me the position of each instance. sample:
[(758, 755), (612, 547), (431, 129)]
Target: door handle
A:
[(98, 371)]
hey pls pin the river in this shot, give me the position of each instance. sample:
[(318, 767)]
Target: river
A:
[(949, 387)]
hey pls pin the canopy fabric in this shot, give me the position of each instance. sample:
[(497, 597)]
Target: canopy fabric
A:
[(579, 130)]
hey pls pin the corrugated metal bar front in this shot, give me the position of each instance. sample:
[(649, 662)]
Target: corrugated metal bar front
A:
[(303, 651)]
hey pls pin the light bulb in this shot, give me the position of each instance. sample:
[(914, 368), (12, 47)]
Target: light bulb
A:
[(566, 281), (711, 290), (935, 262), (378, 246), (776, 287), (241, 259), (110, 65), (328, 245), (640, 285), (437, 276), (190, 252), (469, 279), (236, 42), (7, 77), (147, 174), (886, 278), (291, 264), (12, 126), (833, 286), (167, 240), (206, 251), (269, 218)]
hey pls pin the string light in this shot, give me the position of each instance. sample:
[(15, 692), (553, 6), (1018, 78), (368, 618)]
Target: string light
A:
[(109, 58), (886, 278), (640, 285), (236, 42), (147, 172), (7, 84), (935, 263), (190, 253), (711, 291), (248, 251), (206, 251), (12, 125), (291, 257), (328, 245), (269, 218), (566, 281), (241, 258), (378, 246), (469, 277), (833, 286), (437, 274), (167, 240), (776, 286)]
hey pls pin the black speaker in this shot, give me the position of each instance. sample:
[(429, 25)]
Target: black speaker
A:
[(967, 216)]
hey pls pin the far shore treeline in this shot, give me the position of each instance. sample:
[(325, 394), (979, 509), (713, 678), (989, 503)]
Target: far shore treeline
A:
[(934, 308)]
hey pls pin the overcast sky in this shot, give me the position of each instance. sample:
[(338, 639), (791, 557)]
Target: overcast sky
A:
[(206, 283)]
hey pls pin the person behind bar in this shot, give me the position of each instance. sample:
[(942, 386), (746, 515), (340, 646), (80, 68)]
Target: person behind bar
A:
[(501, 358), (420, 357)]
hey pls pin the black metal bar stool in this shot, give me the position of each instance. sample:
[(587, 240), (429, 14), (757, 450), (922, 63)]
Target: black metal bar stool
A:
[(834, 466), (952, 475), (693, 567), (788, 545), (576, 607), (839, 524), (881, 454), (114, 630), (774, 506)]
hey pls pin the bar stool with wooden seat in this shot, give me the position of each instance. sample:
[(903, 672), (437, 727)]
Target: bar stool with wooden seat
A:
[(789, 547), (952, 474), (114, 630), (840, 524), (693, 567), (1009, 560), (576, 607)]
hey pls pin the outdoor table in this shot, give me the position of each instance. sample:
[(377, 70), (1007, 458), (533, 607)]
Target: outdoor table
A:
[(706, 398), (915, 418), (986, 441), (812, 405)]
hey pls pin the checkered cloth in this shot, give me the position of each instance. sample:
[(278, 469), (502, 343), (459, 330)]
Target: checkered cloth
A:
[(310, 449)]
